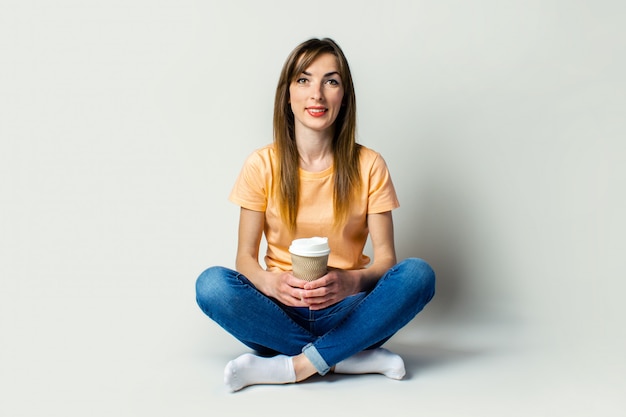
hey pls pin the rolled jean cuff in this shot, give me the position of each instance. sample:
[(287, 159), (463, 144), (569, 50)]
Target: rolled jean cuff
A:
[(316, 359)]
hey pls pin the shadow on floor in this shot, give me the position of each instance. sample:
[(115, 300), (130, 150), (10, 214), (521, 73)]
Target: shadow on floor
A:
[(417, 359), (421, 357)]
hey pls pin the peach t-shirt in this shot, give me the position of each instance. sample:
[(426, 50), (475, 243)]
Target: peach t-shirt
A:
[(252, 191)]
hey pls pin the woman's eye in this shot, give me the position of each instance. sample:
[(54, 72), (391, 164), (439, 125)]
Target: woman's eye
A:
[(332, 82), (301, 80)]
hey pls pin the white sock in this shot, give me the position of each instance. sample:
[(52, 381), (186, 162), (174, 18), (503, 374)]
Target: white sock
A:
[(249, 369), (374, 361)]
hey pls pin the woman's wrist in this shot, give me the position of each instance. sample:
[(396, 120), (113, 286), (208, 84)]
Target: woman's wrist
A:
[(360, 280)]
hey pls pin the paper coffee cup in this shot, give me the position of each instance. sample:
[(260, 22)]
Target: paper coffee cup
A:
[(309, 257)]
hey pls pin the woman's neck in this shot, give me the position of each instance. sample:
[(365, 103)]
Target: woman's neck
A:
[(315, 151)]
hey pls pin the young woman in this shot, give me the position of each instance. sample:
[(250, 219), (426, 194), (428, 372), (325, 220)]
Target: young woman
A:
[(315, 180)]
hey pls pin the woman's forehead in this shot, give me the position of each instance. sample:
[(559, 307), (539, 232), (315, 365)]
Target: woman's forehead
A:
[(307, 60)]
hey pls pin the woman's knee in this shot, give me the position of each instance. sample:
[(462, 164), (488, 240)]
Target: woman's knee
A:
[(210, 285), (419, 275)]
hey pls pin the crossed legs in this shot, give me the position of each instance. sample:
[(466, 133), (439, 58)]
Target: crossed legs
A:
[(231, 300)]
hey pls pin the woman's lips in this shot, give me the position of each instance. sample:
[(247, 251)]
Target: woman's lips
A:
[(316, 111)]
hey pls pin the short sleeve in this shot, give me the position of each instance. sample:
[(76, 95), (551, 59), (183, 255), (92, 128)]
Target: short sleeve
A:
[(382, 194), (251, 190)]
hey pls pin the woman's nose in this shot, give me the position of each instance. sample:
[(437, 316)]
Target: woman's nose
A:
[(316, 92)]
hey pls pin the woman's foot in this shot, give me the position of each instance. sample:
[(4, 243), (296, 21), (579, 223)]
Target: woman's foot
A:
[(249, 369), (374, 361)]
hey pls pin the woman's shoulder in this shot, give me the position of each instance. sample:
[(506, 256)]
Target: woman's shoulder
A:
[(265, 151), (367, 153), (369, 156), (263, 156)]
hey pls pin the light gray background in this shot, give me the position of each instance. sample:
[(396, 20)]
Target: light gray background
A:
[(123, 125)]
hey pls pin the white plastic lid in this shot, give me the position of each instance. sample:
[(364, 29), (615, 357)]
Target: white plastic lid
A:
[(312, 246)]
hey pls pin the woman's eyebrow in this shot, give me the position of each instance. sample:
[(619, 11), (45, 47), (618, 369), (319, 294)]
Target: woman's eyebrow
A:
[(325, 75)]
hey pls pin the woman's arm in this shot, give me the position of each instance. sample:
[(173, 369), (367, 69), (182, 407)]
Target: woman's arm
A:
[(250, 231), (281, 286), (338, 284), (381, 233)]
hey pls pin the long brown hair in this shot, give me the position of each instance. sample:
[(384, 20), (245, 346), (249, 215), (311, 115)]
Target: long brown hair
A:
[(344, 147)]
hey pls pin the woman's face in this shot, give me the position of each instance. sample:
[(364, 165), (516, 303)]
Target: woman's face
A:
[(316, 95)]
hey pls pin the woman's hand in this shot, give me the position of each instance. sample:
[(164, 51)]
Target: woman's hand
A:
[(285, 288), (333, 287)]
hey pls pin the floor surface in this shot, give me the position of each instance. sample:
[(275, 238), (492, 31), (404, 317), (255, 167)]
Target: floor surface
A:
[(97, 351)]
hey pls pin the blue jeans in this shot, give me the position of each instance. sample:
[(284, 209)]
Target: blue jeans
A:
[(359, 322)]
